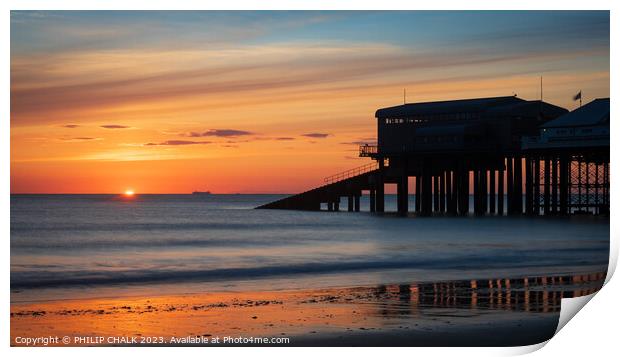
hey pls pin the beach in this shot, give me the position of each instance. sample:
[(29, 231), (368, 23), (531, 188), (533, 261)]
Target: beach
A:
[(498, 312)]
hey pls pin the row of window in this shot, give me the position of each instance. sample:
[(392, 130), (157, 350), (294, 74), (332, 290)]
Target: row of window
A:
[(447, 139), (434, 117)]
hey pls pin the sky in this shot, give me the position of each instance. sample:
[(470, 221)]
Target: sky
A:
[(260, 101)]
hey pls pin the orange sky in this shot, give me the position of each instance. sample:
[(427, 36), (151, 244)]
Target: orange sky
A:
[(102, 103)]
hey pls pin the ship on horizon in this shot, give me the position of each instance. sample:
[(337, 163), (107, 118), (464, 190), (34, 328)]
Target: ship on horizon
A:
[(201, 193)]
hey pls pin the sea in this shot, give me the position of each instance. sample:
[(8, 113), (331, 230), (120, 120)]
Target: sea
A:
[(87, 246)]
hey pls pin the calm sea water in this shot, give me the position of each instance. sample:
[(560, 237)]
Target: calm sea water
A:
[(72, 246)]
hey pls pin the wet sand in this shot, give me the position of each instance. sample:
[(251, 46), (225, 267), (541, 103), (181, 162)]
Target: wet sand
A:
[(497, 312)]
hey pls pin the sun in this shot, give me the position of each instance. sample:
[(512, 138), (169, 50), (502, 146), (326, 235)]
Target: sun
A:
[(129, 193)]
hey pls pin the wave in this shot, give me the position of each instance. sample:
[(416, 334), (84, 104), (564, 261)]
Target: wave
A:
[(152, 226), (39, 279)]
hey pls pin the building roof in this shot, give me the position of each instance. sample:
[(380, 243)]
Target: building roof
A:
[(594, 113), (530, 108), (446, 107)]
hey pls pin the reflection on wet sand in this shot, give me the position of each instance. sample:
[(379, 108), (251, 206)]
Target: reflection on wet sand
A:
[(516, 311), (531, 294)]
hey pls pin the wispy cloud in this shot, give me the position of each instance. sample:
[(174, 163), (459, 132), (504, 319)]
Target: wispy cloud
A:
[(114, 126), (276, 70), (360, 142), (220, 133), (177, 142), (70, 126), (316, 135), (285, 138), (80, 138)]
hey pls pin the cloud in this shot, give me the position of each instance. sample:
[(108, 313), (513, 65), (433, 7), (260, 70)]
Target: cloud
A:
[(70, 126), (81, 138), (82, 81), (220, 133), (114, 126), (361, 142), (177, 142), (285, 138), (316, 135)]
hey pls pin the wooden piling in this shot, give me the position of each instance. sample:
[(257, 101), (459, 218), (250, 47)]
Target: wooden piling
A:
[(380, 199), (554, 185), (492, 191), (466, 192), (418, 196), (500, 192), (547, 187), (436, 193), (442, 192), (536, 184), (402, 194), (476, 187), (427, 188), (528, 187), (509, 186), (518, 184), (485, 192), (564, 184), (449, 198), (373, 199)]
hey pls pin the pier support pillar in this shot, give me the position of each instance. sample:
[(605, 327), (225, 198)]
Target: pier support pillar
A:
[(554, 185), (418, 193), (509, 186), (449, 203), (547, 187), (442, 192), (455, 191), (337, 204), (330, 206), (466, 192), (462, 190), (536, 193), (492, 191), (529, 187), (350, 203), (373, 199), (402, 191), (458, 189), (427, 188), (500, 192), (436, 193), (380, 188), (357, 203), (476, 178), (484, 191), (518, 182), (564, 184)]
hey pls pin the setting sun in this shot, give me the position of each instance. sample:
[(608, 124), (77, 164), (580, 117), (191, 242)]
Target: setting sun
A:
[(129, 192)]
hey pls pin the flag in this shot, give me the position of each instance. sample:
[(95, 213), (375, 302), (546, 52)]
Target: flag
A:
[(577, 96)]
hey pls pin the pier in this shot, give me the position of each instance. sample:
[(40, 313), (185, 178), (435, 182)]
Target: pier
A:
[(512, 156)]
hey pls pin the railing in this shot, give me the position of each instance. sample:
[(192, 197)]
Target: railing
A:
[(368, 150), (350, 173)]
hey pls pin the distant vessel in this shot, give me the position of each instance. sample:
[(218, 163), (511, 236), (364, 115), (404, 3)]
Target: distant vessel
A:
[(201, 193)]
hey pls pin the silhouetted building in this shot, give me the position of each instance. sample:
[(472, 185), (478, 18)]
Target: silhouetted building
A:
[(587, 126), (464, 126), (485, 148)]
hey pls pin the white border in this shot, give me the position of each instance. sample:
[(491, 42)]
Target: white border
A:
[(591, 332)]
